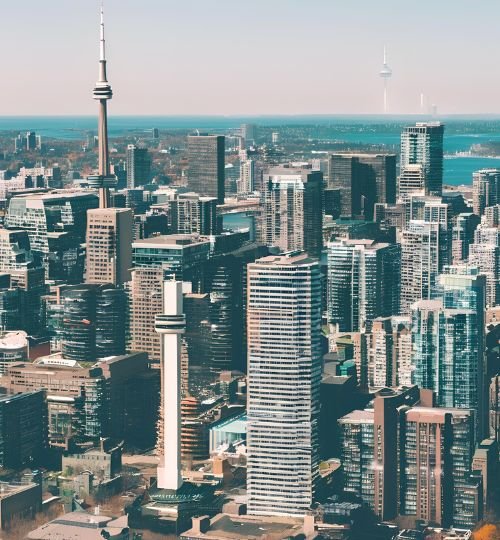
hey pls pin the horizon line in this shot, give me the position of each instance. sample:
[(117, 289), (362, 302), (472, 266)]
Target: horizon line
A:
[(258, 115)]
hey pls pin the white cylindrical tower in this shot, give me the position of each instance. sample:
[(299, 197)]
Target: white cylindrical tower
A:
[(386, 74), (171, 325)]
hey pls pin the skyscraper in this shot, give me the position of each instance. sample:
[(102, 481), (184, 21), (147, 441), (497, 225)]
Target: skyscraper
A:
[(190, 213), (464, 288), (487, 258), (249, 134), (247, 182), (411, 180), (56, 224), (109, 245), (206, 165), (389, 352), (363, 282), (102, 92), (437, 446), (284, 373), (363, 180), (357, 434), (423, 144), (448, 343), (109, 230), (138, 166), (179, 255), (463, 235), (146, 301), (405, 456), (370, 449), (422, 259), (485, 189), (93, 321), (292, 210)]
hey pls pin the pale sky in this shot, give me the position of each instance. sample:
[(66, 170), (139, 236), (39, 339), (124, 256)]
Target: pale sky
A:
[(190, 57)]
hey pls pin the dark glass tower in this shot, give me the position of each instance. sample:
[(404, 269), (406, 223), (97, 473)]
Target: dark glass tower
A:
[(206, 174), (93, 321)]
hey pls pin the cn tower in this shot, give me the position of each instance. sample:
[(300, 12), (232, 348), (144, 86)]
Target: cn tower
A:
[(102, 92), (386, 74)]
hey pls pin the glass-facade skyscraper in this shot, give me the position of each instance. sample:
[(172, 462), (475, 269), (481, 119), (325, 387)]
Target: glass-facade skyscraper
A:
[(422, 144), (138, 166), (464, 288), (363, 282), (448, 342), (292, 210), (206, 173)]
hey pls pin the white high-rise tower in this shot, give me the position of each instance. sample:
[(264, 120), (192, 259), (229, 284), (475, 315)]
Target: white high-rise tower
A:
[(386, 74), (284, 375), (171, 325)]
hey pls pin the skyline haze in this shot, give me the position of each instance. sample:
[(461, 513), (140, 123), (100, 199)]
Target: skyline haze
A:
[(286, 57)]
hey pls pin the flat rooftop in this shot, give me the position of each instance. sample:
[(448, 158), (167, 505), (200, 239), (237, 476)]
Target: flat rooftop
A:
[(292, 258), (358, 417), (55, 195), (80, 526), (13, 340), (236, 424), (171, 240), (231, 527), (7, 489)]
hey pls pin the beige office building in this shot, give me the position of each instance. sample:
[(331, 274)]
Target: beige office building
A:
[(109, 245)]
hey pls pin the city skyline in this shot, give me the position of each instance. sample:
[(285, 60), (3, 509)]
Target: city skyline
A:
[(299, 336), (324, 69)]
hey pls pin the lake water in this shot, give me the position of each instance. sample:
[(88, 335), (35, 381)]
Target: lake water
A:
[(460, 133)]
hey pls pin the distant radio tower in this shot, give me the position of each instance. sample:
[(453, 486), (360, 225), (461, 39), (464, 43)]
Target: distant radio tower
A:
[(386, 74)]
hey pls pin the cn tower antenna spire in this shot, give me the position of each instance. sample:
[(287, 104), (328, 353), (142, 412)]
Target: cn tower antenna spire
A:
[(103, 41), (102, 92)]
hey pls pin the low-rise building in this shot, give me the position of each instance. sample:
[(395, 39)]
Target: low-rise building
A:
[(104, 463), (80, 525), (236, 527), (116, 397), (18, 502), (14, 347), (23, 429)]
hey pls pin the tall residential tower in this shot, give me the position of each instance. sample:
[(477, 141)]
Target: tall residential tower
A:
[(422, 144), (206, 172), (284, 372)]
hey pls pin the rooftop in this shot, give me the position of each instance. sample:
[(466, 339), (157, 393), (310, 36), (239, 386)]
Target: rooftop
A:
[(8, 489), (80, 526), (236, 424), (288, 259), (435, 413), (231, 527), (58, 194), (13, 340), (358, 417), (171, 240)]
